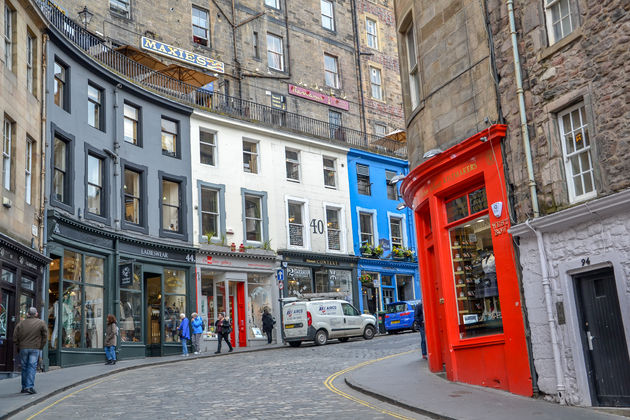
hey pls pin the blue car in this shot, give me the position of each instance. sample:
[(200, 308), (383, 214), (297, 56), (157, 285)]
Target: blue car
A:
[(399, 316)]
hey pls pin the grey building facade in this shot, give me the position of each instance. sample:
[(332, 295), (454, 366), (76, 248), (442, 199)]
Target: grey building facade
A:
[(119, 224)]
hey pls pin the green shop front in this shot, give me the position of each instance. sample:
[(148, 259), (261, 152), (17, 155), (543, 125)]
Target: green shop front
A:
[(93, 273)]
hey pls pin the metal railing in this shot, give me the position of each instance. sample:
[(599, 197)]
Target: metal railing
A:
[(213, 101)]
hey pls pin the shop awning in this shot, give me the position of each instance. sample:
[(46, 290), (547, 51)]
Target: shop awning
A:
[(397, 135), (188, 75), (141, 57), (394, 140)]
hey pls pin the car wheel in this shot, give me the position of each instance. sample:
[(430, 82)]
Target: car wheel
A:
[(344, 339), (295, 343), (321, 337), (414, 327), (369, 332)]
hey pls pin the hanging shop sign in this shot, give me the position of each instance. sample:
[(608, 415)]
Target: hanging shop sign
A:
[(318, 97), (157, 253), (182, 55), (126, 274)]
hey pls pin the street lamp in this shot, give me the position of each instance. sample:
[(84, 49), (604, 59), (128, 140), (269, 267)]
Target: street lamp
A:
[(85, 16)]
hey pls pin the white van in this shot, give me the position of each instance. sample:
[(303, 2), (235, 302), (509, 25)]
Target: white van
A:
[(321, 320)]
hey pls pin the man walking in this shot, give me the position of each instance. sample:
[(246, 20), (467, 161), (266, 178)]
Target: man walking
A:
[(30, 337), (419, 318)]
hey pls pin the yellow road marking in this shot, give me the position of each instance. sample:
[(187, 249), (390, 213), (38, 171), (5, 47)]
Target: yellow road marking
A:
[(329, 384), (67, 396)]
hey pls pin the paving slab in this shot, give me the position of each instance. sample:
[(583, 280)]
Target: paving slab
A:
[(406, 381)]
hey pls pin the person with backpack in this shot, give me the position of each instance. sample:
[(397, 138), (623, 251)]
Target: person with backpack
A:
[(184, 333), (267, 324), (418, 316), (223, 329), (197, 327)]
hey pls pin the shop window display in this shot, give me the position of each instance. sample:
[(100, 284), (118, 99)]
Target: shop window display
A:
[(93, 325), (259, 299), (71, 315), (300, 280), (130, 321), (174, 302), (53, 300)]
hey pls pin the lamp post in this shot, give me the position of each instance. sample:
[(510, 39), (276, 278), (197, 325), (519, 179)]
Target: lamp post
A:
[(85, 16)]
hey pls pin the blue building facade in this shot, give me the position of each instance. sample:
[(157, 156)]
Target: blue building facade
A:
[(383, 236)]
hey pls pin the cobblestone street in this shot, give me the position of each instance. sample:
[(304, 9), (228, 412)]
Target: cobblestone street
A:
[(283, 383)]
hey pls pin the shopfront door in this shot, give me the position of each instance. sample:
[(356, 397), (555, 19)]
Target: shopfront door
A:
[(153, 293), (603, 338), (237, 314), (7, 323), (441, 316)]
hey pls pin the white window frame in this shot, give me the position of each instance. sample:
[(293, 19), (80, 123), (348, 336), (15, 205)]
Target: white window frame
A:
[(255, 155), (30, 49), (550, 6), (380, 133), (328, 18), (376, 83), (342, 226), (28, 168), (217, 192), (213, 145), (373, 213), (272, 42), (568, 167), (121, 7), (412, 67), (205, 29), (135, 121), (332, 169), (371, 30), (98, 105), (273, 3), (8, 37), (403, 227), (306, 237), (293, 162), (334, 72), (7, 157)]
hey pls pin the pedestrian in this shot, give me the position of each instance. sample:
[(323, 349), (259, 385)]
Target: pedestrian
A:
[(268, 322), (184, 333), (30, 337), (223, 328), (111, 339), (418, 316), (197, 327)]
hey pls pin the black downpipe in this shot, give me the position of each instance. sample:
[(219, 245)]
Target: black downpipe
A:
[(355, 27)]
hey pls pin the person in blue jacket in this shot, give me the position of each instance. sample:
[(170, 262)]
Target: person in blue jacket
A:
[(184, 333), (197, 329)]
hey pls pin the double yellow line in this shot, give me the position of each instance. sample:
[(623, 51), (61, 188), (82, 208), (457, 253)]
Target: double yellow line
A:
[(328, 383)]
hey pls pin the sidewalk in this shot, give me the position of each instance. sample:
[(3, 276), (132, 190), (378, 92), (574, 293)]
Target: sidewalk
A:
[(407, 382), (58, 380)]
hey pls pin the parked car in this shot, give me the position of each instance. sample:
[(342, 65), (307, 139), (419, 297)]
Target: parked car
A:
[(399, 316), (321, 320)]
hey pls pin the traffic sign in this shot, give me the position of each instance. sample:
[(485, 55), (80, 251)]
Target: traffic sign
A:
[(280, 285), (280, 275)]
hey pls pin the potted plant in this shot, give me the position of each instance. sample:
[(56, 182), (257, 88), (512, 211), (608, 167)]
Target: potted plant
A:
[(377, 251), (365, 278), (409, 254), (366, 249), (398, 254)]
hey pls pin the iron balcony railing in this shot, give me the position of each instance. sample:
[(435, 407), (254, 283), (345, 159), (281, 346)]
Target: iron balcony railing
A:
[(213, 101)]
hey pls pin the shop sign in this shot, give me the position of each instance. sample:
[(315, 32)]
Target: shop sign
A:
[(325, 262), (182, 55), (318, 97), (500, 227), (158, 254), (278, 101), (299, 272), (126, 274)]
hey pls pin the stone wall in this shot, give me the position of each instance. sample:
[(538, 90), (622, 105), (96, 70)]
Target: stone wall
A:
[(590, 65)]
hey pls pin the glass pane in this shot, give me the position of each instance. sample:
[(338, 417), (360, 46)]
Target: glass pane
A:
[(26, 302), (168, 143), (60, 154), (131, 131), (173, 306), (95, 170), (94, 199), (299, 280), (132, 210), (575, 164), (474, 272), (94, 270), (588, 182), (132, 183), (456, 209), (252, 207), (253, 230), (71, 266), (53, 301), (585, 161), (170, 193), (170, 218), (130, 322), (478, 201), (577, 183), (293, 171), (209, 225), (566, 26), (27, 284), (175, 281), (209, 200), (71, 315), (259, 299), (568, 140), (94, 332), (8, 276), (332, 218), (295, 213), (386, 280), (4, 306)]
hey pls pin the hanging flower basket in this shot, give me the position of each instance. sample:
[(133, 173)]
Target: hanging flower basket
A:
[(365, 278)]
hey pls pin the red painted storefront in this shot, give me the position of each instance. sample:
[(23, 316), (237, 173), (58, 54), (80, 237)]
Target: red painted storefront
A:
[(473, 316)]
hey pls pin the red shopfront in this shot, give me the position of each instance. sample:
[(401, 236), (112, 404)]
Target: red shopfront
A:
[(473, 317)]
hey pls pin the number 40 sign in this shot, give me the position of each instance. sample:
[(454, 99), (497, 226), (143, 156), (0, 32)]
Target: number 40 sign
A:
[(318, 226)]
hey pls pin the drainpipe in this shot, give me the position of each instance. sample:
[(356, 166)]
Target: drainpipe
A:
[(521, 107), (116, 157), (355, 28), (546, 283), (43, 217)]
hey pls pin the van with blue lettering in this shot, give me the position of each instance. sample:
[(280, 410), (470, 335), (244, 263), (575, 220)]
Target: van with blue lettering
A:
[(322, 320)]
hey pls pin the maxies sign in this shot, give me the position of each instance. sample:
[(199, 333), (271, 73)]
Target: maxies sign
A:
[(182, 55)]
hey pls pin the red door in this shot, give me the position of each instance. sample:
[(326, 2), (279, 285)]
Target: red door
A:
[(240, 307), (232, 320)]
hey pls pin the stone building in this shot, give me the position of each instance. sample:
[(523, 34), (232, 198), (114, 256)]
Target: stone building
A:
[(22, 263), (331, 60)]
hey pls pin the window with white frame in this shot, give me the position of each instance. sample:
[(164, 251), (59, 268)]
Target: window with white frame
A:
[(331, 71), (95, 105), (30, 60), (250, 157), (273, 3), (275, 52), (412, 67), (364, 186), (328, 16), (169, 137), (330, 172), (7, 155), (28, 168), (8, 36), (200, 26), (396, 232), (207, 147), (576, 148), (60, 85), (292, 159), (380, 130), (131, 118), (372, 33), (392, 191), (210, 212), (120, 7), (253, 218), (295, 211), (366, 228), (333, 228), (95, 180), (561, 19), (376, 83), (171, 206)]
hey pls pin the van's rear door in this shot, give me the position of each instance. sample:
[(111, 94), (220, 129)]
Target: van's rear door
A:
[(295, 321)]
